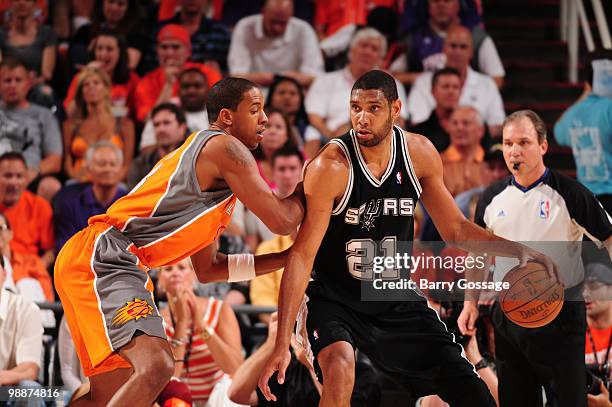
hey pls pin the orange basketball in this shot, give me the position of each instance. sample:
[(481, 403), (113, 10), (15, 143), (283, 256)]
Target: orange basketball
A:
[(534, 298)]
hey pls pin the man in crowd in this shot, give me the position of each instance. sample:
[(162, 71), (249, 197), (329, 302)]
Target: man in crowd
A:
[(75, 204), (477, 90), (29, 129), (445, 89), (30, 216), (275, 42), (169, 127)]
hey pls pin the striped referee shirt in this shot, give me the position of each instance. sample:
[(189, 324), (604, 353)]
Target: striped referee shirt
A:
[(551, 215)]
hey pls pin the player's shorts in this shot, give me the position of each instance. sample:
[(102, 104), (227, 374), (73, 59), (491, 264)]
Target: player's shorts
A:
[(408, 342), (107, 297)]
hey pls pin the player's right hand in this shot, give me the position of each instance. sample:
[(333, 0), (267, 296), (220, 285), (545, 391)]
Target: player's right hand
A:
[(467, 319), (278, 362)]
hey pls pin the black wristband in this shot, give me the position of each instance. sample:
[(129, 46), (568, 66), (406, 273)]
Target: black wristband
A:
[(482, 364)]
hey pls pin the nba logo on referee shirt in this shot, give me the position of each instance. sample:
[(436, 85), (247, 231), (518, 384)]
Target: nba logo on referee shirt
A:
[(544, 209)]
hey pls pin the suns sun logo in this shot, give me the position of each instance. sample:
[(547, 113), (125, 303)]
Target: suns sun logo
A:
[(132, 310)]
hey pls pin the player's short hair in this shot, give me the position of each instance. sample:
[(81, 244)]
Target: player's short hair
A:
[(287, 151), (226, 94), (538, 123), (172, 108), (378, 80), (443, 72), (13, 156)]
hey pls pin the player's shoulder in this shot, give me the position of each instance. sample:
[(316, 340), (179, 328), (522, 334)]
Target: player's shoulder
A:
[(331, 158), (328, 171)]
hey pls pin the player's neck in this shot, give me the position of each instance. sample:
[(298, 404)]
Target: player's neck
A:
[(526, 180), (379, 154), (600, 321)]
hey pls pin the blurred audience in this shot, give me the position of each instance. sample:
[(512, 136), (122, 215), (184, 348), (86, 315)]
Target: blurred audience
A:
[(326, 101), (587, 128), (169, 127), (463, 159), (161, 84), (110, 53), (203, 333), (210, 39), (76, 203), (29, 215), (93, 121), (122, 16), (477, 90), (445, 89), (24, 37), (275, 42), (193, 90), (424, 47), (21, 334), (287, 95), (29, 129), (70, 367)]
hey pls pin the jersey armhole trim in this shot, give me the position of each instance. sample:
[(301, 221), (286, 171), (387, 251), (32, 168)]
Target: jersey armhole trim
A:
[(349, 187), (408, 162)]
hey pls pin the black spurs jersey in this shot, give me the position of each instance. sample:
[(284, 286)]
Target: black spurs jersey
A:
[(373, 219)]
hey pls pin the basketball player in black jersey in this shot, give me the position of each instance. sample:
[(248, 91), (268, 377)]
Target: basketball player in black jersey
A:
[(360, 191)]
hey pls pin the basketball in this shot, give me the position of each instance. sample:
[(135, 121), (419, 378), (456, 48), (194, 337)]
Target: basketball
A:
[(534, 298)]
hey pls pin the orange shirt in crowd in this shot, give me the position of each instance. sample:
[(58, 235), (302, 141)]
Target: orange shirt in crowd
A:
[(41, 6), (151, 85), (31, 221), (120, 92), (27, 265), (336, 14), (601, 337)]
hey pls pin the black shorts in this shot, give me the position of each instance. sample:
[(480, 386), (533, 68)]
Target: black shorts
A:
[(408, 342)]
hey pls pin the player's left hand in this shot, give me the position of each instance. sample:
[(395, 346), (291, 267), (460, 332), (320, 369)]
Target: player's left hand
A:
[(528, 254), (601, 400), (278, 362)]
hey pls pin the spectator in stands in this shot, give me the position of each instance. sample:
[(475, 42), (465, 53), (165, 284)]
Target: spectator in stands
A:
[(477, 90), (70, 367), (210, 39), (327, 99), (110, 53), (27, 271), (463, 159), (169, 126), (287, 166), (597, 294), (193, 89), (29, 129), (123, 16), (287, 95), (35, 44), (30, 216), (424, 47), (160, 85), (203, 332), (93, 121), (76, 203), (21, 331), (587, 128), (445, 89), (277, 135), (275, 42)]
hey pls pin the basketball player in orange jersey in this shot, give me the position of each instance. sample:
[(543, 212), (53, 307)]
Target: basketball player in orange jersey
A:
[(178, 210), (361, 190)]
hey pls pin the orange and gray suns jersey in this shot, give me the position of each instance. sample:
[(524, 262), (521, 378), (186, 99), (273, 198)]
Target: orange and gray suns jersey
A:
[(166, 216)]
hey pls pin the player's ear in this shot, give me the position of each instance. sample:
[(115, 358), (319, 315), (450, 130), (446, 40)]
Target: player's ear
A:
[(225, 117), (396, 107)]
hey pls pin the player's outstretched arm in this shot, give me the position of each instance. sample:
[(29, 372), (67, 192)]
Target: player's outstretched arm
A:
[(450, 222), (211, 266), (235, 164), (325, 181)]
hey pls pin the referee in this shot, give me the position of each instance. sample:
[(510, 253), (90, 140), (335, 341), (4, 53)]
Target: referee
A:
[(536, 204)]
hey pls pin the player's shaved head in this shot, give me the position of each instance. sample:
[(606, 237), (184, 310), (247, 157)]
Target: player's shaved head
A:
[(226, 94), (378, 80)]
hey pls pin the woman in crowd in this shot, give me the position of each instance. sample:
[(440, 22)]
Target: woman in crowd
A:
[(278, 134), (34, 44), (93, 121), (286, 94), (123, 16), (204, 335), (110, 54)]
